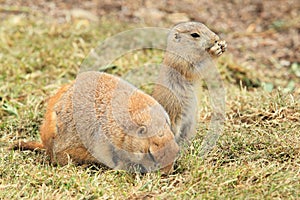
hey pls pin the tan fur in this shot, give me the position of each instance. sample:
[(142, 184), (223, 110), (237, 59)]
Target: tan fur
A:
[(185, 57), (76, 112)]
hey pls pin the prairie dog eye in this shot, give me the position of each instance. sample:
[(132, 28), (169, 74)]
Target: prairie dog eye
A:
[(195, 35), (142, 130)]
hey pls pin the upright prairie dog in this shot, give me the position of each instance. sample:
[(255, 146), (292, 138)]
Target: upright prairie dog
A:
[(190, 46), (101, 118)]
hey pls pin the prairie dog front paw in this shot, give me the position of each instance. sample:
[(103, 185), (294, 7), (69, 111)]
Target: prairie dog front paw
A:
[(218, 48)]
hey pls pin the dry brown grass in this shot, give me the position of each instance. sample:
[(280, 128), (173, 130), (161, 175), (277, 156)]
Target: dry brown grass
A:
[(257, 156)]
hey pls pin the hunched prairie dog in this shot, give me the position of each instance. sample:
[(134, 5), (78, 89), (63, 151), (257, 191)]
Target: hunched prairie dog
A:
[(101, 118), (190, 46)]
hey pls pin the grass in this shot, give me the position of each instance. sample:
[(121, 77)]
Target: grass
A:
[(256, 157)]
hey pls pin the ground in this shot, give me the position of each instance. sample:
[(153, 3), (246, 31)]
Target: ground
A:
[(42, 44)]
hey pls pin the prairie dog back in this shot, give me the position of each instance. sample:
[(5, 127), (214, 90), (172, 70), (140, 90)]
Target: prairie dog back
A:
[(134, 127), (103, 119)]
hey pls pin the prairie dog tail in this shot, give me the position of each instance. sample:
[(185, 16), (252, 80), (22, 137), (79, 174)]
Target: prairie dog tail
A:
[(23, 146)]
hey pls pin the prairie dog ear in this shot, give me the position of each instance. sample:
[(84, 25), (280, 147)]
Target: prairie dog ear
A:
[(142, 130), (177, 37)]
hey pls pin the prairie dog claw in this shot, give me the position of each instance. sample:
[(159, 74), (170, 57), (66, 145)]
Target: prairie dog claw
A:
[(218, 48)]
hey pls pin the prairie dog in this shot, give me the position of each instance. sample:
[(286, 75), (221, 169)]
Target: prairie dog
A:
[(190, 46), (101, 118)]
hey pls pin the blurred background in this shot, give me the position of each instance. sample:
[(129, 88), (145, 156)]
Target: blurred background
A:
[(262, 36)]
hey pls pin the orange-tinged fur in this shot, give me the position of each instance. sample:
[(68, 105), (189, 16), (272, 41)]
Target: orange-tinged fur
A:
[(48, 129), (134, 127)]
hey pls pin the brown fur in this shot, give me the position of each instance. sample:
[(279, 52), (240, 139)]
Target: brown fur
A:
[(134, 127), (185, 57)]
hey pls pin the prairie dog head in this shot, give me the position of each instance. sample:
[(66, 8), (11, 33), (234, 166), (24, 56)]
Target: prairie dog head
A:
[(145, 138), (121, 126), (192, 40)]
